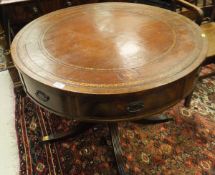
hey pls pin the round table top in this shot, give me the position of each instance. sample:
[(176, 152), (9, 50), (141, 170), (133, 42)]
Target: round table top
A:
[(109, 48)]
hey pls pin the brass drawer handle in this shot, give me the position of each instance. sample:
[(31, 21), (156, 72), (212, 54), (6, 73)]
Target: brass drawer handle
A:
[(68, 3), (42, 96), (136, 106)]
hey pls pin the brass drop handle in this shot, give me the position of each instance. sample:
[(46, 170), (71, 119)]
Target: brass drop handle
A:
[(35, 10), (69, 3), (42, 96), (136, 106)]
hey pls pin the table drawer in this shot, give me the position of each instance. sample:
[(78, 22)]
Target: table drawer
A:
[(48, 97), (135, 105), (127, 105)]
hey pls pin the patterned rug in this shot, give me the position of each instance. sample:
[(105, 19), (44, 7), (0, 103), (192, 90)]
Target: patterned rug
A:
[(185, 146), (2, 54)]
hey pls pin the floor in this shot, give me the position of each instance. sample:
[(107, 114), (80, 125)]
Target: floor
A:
[(9, 159), (9, 155)]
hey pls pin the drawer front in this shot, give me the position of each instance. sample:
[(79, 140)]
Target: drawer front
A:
[(126, 106), (134, 105), (50, 98)]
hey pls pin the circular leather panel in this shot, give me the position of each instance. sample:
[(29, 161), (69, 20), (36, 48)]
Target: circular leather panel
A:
[(106, 43)]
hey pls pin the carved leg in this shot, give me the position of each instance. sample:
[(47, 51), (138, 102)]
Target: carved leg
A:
[(113, 128), (155, 119), (75, 131), (188, 99)]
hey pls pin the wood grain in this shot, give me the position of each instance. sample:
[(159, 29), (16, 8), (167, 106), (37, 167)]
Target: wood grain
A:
[(109, 48), (104, 61)]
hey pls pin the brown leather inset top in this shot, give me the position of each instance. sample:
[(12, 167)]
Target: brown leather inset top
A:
[(109, 48)]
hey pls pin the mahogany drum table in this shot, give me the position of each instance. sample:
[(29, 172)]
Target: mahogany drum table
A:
[(109, 62)]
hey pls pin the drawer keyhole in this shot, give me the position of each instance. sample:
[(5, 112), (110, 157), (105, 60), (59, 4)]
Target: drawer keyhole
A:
[(135, 107), (42, 96)]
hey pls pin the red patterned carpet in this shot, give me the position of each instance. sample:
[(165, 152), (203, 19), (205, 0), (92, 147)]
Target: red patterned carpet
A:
[(185, 146)]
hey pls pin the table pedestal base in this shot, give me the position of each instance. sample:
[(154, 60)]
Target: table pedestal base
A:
[(113, 129), (187, 100)]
